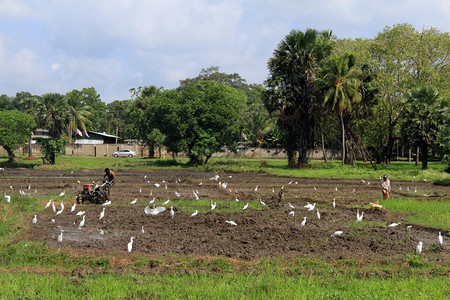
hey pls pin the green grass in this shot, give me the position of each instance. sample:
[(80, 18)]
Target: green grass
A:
[(427, 212), (333, 169), (208, 286)]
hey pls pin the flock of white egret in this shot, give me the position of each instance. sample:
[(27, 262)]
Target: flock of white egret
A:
[(221, 184)]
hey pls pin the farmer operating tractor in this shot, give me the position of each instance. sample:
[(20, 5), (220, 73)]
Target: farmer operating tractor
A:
[(98, 193)]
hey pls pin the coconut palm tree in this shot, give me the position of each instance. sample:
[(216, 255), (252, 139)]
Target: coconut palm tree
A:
[(340, 81), (79, 113)]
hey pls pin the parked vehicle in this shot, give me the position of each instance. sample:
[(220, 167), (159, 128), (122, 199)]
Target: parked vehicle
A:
[(124, 153)]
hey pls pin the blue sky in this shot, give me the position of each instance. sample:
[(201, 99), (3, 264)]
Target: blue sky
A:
[(114, 45)]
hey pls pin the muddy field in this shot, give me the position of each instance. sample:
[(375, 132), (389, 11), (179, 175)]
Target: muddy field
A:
[(261, 231)]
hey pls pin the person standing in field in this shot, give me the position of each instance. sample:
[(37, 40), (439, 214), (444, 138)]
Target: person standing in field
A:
[(386, 187)]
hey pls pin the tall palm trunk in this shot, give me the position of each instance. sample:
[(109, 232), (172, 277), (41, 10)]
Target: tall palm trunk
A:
[(343, 140)]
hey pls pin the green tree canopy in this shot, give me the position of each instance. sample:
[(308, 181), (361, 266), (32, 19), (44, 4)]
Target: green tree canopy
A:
[(15, 129), (291, 88), (423, 117), (200, 119)]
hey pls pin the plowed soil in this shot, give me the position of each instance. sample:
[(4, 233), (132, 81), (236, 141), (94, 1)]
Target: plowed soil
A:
[(261, 231)]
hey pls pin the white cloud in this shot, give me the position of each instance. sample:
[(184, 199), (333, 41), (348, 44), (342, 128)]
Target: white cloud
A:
[(113, 45)]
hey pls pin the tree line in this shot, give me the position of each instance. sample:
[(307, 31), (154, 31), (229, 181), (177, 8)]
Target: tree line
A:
[(362, 96)]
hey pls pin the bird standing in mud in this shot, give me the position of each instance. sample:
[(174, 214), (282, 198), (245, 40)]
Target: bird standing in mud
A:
[(303, 223), (130, 244), (419, 248)]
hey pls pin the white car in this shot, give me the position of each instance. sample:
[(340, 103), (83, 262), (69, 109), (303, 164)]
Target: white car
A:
[(124, 153)]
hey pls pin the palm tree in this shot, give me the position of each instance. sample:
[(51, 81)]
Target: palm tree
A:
[(340, 81), (56, 117), (423, 117), (291, 87), (79, 113)]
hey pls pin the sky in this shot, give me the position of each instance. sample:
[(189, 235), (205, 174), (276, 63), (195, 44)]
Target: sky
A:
[(55, 46)]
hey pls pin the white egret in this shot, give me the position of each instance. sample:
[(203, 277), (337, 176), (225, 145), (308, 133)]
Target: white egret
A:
[(177, 194), (130, 244), (315, 189), (408, 228), (29, 186), (245, 206), (256, 188), (82, 222), (415, 190), (7, 198), (195, 195), (262, 203), (154, 211), (62, 193), (59, 212), (53, 206), (303, 223), (200, 183), (213, 206), (358, 216), (362, 180), (133, 202), (106, 203), (224, 185), (48, 203), (237, 200), (72, 209), (290, 182), (53, 221), (231, 223), (140, 190), (441, 239), (172, 213), (291, 206), (157, 185), (336, 189), (273, 191), (60, 236), (61, 205), (194, 214), (34, 221), (312, 207), (308, 205), (151, 201), (334, 202), (151, 193), (394, 224), (78, 181), (102, 214), (166, 202), (292, 213), (215, 177), (336, 233), (142, 230), (22, 193), (80, 213), (102, 233), (165, 186), (419, 248), (354, 191), (318, 214)]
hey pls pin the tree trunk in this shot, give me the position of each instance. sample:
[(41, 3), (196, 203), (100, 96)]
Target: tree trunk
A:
[(417, 156), (151, 151), (343, 140), (30, 151), (424, 156), (323, 150)]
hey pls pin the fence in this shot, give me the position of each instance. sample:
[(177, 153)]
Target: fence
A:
[(104, 150)]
